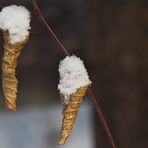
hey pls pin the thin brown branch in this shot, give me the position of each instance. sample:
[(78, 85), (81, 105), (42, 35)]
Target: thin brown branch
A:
[(39, 14), (102, 118)]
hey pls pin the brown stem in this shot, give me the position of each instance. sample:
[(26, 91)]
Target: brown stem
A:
[(102, 118), (39, 14)]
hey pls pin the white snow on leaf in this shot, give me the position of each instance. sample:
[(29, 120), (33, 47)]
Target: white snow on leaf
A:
[(73, 75), (15, 20)]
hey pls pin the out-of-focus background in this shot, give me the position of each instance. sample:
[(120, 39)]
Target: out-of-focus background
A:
[(112, 39)]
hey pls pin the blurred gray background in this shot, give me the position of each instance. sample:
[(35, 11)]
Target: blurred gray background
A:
[(39, 127), (111, 37)]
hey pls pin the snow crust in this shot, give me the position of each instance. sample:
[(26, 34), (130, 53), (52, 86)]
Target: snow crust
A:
[(15, 20), (73, 75)]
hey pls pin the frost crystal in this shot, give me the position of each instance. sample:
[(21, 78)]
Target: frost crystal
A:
[(15, 20), (73, 75)]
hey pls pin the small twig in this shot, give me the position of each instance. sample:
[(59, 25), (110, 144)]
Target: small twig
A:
[(39, 14), (102, 118)]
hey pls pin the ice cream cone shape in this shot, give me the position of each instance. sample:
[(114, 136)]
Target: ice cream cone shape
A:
[(70, 112), (74, 82), (14, 22), (9, 80)]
